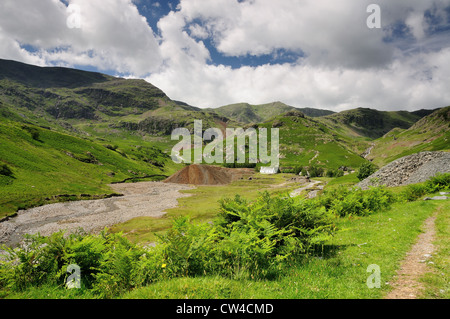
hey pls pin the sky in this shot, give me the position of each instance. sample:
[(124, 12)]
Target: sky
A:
[(325, 54)]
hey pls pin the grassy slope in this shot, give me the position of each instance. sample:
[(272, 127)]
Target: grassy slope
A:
[(53, 165), (431, 133), (369, 123), (301, 139), (247, 113)]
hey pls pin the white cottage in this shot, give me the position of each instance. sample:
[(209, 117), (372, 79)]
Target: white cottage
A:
[(269, 170)]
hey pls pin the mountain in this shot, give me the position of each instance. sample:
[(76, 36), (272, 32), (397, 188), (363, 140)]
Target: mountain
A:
[(46, 77), (431, 133), (247, 113), (311, 112), (40, 165), (305, 141), (370, 123), (70, 98), (72, 132)]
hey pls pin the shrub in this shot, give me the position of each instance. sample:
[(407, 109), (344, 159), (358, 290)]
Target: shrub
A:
[(5, 170), (315, 171), (272, 228), (297, 169), (439, 182), (344, 202), (106, 261), (334, 173), (33, 131), (413, 192), (365, 170)]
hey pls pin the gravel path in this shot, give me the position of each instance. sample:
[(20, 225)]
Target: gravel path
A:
[(140, 199)]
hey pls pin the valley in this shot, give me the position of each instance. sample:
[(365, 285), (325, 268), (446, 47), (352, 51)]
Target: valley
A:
[(84, 150)]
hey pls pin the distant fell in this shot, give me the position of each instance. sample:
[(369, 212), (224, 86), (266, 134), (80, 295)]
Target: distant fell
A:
[(431, 133), (370, 123), (248, 113), (46, 77)]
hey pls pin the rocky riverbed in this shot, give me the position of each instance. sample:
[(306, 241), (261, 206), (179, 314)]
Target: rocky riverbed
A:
[(139, 199)]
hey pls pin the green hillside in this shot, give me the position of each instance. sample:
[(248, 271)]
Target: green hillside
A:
[(364, 122), (247, 113), (43, 163), (65, 131), (305, 141), (431, 133)]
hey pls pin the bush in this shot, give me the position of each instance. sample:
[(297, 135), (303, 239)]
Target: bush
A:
[(344, 202), (316, 171), (5, 170), (258, 237), (440, 182), (33, 131), (413, 192), (365, 170), (106, 261), (297, 170), (334, 173)]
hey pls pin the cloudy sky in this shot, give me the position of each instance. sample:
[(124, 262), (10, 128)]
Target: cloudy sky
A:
[(209, 53)]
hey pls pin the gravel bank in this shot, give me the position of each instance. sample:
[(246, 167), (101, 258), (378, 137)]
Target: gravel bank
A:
[(140, 199)]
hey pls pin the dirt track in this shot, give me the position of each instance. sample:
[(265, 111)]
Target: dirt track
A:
[(407, 284), (140, 199)]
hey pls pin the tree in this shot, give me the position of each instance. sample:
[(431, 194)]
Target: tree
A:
[(365, 170)]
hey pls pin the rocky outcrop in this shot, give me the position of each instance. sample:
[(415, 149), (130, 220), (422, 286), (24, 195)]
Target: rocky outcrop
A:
[(412, 169)]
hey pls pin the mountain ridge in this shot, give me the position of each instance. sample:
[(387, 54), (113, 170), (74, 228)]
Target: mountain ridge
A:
[(66, 131)]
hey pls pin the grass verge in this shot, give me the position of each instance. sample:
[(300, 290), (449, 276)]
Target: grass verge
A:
[(437, 282), (337, 270)]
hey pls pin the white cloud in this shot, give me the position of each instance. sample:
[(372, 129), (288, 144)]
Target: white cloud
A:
[(400, 86), (346, 64), (113, 35)]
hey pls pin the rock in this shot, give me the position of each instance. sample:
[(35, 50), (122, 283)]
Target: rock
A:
[(411, 169), (436, 198)]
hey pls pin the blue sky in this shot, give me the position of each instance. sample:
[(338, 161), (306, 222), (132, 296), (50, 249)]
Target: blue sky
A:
[(208, 53)]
